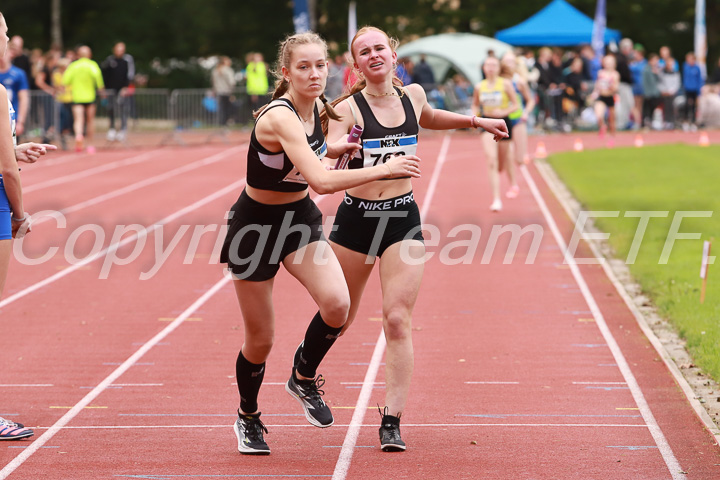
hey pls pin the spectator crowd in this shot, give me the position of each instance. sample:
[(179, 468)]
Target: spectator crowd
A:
[(63, 86), (655, 90)]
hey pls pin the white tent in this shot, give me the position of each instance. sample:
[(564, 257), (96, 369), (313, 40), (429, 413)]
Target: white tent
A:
[(463, 51)]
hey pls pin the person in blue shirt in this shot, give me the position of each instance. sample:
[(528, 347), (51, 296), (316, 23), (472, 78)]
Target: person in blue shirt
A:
[(16, 83), (637, 67), (692, 83), (666, 59), (403, 72)]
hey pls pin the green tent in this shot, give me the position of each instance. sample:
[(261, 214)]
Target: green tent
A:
[(465, 52)]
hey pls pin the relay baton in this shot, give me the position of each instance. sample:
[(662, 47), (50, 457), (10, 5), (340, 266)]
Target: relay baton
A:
[(353, 138)]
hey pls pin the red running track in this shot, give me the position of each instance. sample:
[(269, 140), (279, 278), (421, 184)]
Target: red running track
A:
[(514, 377)]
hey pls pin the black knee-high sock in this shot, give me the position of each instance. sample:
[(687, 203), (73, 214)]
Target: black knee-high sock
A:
[(249, 378), (319, 337)]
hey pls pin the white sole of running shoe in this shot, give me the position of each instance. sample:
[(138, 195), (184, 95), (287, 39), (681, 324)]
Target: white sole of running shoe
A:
[(309, 417), (393, 448), (244, 449), (17, 437)]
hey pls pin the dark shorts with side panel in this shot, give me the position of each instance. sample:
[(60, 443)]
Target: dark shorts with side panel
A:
[(260, 236), (509, 124), (359, 223), (5, 215), (609, 101)]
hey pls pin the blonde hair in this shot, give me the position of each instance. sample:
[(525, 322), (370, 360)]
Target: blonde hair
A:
[(360, 83), (283, 60)]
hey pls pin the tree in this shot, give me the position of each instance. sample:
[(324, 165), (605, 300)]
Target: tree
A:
[(187, 28)]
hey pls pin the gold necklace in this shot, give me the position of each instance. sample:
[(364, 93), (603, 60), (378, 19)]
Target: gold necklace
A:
[(297, 110), (392, 94)]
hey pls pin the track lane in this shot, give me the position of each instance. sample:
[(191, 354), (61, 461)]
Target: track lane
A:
[(110, 195), (521, 430)]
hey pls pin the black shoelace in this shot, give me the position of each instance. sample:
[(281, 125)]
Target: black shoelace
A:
[(313, 390), (391, 432), (255, 428)]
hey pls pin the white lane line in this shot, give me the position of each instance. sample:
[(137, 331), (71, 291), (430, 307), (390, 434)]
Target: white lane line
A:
[(493, 383), (599, 383), (360, 383), (548, 176), (638, 396), (137, 384), (108, 382), (90, 171), (62, 158), (373, 425), (233, 187), (92, 395), (13, 385), (345, 457), (138, 185)]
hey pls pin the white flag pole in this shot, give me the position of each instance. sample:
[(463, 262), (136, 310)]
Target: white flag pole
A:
[(704, 268), (352, 22)]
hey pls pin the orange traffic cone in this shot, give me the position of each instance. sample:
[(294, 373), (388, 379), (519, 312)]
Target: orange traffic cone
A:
[(639, 141), (704, 140), (578, 145), (540, 151)]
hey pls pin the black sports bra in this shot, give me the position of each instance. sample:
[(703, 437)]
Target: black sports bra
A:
[(274, 170), (380, 143)]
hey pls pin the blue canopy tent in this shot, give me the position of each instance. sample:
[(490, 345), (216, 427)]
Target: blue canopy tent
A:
[(558, 24)]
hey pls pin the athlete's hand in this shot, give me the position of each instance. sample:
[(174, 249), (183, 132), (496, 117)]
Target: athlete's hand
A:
[(403, 166), (341, 147), (19, 229), (31, 152), (496, 126)]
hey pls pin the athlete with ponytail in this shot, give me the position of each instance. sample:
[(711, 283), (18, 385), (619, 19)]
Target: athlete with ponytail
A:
[(274, 221), (381, 219)]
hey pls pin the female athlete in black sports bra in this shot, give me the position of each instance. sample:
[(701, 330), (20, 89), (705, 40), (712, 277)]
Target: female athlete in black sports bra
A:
[(389, 115), (274, 221)]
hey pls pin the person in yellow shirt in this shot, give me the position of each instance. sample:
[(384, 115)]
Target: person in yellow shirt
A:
[(63, 99), (495, 97), (84, 78), (257, 81)]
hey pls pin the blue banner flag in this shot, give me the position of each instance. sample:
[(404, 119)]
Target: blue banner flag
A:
[(700, 37), (301, 16), (598, 38), (598, 32)]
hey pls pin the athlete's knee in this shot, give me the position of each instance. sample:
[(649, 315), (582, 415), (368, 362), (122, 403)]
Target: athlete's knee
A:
[(335, 309), (259, 343), (397, 323)]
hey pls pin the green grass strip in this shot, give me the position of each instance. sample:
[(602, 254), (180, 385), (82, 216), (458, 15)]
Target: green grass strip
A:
[(669, 178)]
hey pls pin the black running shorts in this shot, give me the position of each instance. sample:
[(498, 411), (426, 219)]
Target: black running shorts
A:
[(260, 236), (371, 226)]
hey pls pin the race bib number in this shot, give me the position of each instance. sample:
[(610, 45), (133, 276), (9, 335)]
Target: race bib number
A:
[(13, 120), (491, 99), (294, 176), (377, 151)]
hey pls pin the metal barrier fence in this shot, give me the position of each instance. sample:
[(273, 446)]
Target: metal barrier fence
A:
[(147, 109)]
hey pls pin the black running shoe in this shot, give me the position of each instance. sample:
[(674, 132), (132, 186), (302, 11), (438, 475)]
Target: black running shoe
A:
[(249, 431), (390, 440), (310, 397)]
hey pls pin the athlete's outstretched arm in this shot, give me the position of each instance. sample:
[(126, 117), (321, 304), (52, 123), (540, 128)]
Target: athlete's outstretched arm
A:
[(284, 126), (435, 119), (8, 164), (337, 129), (30, 152)]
